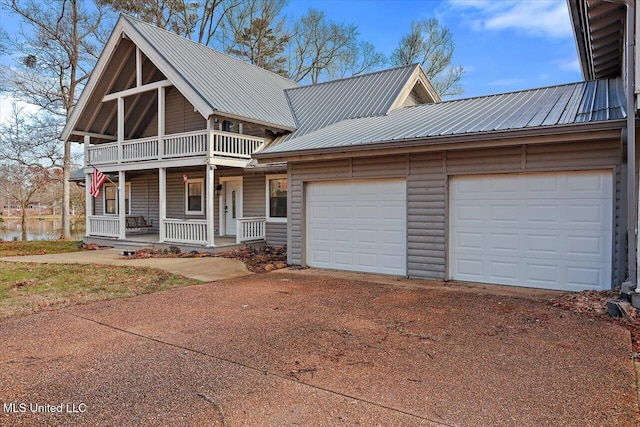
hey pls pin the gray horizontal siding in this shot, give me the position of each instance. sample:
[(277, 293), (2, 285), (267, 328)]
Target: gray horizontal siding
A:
[(145, 198), (180, 115), (253, 195), (276, 233), (426, 201), (427, 191)]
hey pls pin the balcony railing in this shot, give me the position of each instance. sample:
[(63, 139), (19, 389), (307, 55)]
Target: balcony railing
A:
[(250, 229), (188, 144)]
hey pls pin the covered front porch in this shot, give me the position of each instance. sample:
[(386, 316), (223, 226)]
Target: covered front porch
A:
[(195, 207)]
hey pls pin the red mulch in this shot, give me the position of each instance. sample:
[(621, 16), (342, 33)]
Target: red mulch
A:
[(594, 303), (258, 260)]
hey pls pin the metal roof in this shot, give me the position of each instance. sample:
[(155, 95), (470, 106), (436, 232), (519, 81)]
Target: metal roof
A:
[(584, 102), (229, 85), (320, 105)]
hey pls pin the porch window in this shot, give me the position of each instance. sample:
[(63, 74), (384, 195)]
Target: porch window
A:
[(194, 196), (111, 199), (277, 186)]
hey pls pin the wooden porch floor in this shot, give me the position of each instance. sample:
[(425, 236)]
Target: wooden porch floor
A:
[(151, 240)]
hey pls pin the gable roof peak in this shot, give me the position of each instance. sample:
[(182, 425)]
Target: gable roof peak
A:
[(138, 22)]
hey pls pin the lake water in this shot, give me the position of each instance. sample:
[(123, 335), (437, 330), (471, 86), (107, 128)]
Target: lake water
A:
[(11, 229)]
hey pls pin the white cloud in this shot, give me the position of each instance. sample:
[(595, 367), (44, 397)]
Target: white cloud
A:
[(569, 64), (541, 18)]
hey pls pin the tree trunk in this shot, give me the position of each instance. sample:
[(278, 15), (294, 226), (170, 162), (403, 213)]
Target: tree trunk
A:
[(66, 191), (23, 222)]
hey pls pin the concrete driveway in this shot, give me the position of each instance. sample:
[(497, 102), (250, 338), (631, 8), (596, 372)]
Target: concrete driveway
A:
[(316, 348), (207, 269)]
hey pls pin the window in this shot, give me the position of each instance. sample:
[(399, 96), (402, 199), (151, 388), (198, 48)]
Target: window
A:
[(111, 199), (194, 196), (277, 198)]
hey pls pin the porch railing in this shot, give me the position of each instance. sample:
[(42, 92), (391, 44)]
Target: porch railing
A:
[(104, 226), (187, 144), (189, 231), (248, 229)]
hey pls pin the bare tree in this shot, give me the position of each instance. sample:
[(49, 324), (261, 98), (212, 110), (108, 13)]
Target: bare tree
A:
[(431, 45), (200, 21), (359, 59), (58, 47), (31, 157), (258, 34), (318, 46)]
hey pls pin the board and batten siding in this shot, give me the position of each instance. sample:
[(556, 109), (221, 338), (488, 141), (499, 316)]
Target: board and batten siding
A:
[(427, 176)]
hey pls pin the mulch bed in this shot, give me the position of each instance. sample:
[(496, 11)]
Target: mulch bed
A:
[(594, 303)]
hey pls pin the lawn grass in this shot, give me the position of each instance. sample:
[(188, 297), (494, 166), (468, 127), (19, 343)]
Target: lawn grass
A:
[(38, 247), (29, 288)]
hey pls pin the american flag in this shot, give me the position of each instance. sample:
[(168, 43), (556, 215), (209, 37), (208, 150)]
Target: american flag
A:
[(96, 182)]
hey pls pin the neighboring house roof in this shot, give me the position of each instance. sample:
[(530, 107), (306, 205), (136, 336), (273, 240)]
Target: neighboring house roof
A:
[(584, 102), (320, 105), (212, 81), (598, 27)]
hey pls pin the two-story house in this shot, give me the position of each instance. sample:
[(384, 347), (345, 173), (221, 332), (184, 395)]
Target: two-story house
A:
[(372, 173)]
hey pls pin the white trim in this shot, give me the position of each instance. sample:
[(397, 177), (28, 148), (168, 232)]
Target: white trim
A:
[(267, 206), (136, 90), (186, 196), (104, 198)]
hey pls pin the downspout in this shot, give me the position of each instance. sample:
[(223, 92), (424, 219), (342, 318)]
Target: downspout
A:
[(633, 259), (631, 145)]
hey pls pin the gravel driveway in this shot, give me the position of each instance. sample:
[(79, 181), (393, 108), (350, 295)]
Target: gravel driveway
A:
[(317, 348)]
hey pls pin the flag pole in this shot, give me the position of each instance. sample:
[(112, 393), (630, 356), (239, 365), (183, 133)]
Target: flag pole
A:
[(106, 176)]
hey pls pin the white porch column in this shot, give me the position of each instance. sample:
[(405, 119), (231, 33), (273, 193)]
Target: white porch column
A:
[(210, 194), (122, 204), (120, 127), (163, 201), (161, 120), (88, 205)]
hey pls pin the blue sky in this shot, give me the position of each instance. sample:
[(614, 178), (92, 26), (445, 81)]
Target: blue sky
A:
[(503, 45)]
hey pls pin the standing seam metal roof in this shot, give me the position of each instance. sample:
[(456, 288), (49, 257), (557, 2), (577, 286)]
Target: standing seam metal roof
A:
[(227, 84), (584, 102), (320, 105)]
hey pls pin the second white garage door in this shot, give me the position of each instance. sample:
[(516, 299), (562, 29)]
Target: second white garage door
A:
[(545, 230), (357, 226)]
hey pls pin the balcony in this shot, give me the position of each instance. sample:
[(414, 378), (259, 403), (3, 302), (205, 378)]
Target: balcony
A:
[(184, 145)]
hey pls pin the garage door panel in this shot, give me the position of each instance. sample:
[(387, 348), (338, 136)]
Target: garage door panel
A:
[(558, 239), (365, 228)]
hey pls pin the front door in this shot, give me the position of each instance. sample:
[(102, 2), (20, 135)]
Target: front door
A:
[(233, 206)]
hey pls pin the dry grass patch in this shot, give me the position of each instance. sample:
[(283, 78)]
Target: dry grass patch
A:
[(29, 288), (38, 247)]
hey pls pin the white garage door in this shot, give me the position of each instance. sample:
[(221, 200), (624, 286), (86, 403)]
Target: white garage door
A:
[(357, 226), (546, 230)]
